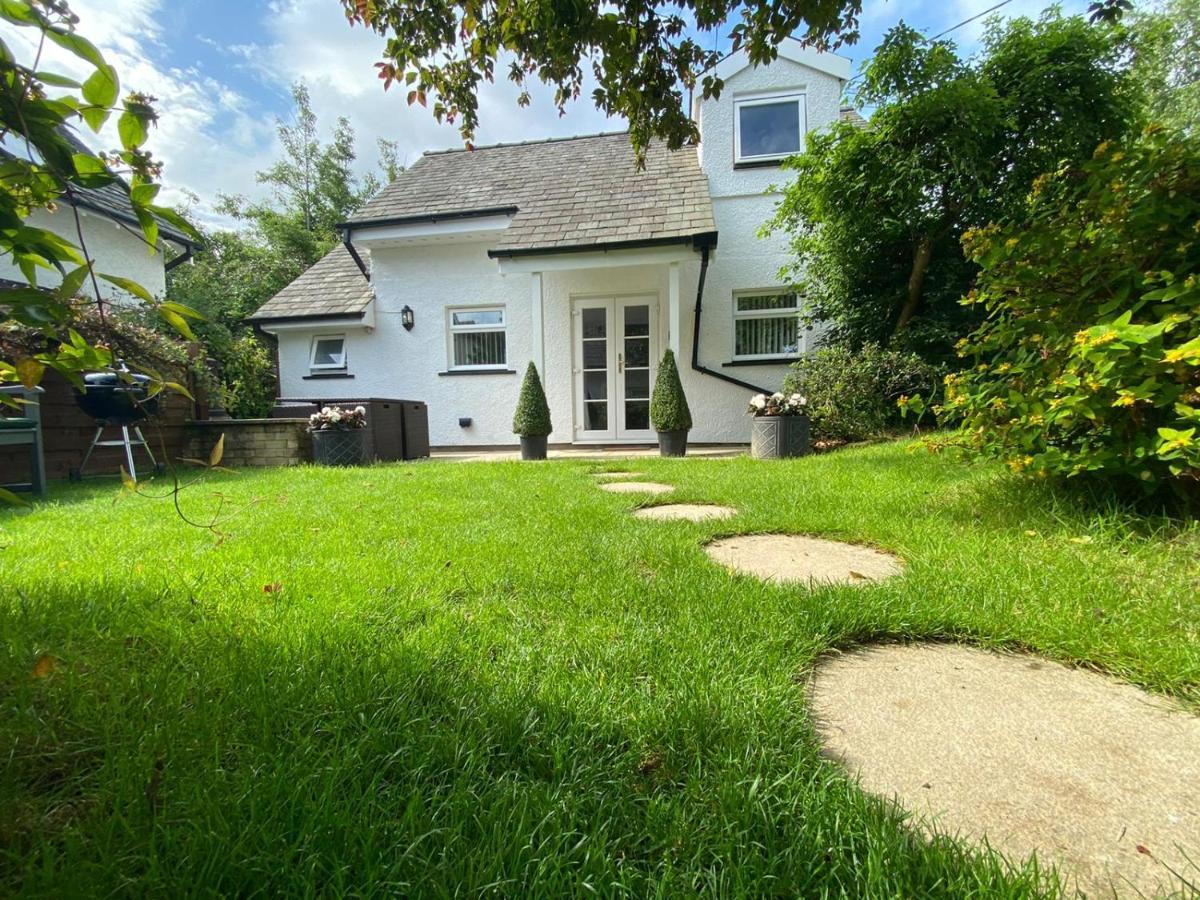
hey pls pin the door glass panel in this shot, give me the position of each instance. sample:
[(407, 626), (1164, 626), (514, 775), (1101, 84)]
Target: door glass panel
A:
[(595, 386), (595, 416), (595, 323), (637, 320), (595, 355), (637, 352), (637, 384), (637, 415)]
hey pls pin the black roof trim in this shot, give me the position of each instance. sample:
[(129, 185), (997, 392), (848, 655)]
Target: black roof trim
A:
[(701, 240), (315, 317), (431, 217)]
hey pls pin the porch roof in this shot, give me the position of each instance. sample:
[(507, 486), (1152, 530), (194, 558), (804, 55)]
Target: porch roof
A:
[(332, 287), (569, 193)]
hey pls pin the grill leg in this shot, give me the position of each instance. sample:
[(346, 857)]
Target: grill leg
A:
[(88, 455), (145, 445), (128, 452)]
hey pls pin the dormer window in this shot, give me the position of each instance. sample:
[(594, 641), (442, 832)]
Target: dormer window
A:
[(768, 128)]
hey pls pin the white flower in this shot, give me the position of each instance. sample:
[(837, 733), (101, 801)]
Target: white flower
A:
[(758, 401), (777, 396), (360, 410), (799, 400)]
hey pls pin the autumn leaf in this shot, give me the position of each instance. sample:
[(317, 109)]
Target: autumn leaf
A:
[(29, 371), (44, 666), (214, 458), (275, 587)]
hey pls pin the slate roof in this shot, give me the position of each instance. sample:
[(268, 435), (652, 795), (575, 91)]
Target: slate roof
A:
[(853, 116), (333, 286), (579, 192)]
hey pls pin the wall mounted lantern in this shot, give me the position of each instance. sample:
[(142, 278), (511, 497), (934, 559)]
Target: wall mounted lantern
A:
[(406, 318)]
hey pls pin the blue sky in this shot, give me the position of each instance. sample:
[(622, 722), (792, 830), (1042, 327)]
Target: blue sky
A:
[(222, 70)]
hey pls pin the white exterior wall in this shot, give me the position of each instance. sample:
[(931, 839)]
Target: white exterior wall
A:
[(390, 362), (116, 250)]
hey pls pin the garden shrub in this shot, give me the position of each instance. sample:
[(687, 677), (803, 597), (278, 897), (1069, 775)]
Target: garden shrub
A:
[(1089, 359), (852, 393), (248, 378), (532, 418), (668, 404)]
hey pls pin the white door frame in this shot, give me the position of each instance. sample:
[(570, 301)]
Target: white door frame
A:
[(616, 433)]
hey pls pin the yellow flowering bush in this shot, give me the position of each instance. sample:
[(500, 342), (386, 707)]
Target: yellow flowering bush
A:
[(1089, 360)]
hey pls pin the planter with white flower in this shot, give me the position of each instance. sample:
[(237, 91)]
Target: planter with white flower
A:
[(339, 436), (780, 427)]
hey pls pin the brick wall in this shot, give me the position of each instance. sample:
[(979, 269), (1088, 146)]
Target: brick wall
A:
[(251, 442)]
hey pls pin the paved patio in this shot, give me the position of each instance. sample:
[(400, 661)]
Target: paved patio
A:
[(710, 451)]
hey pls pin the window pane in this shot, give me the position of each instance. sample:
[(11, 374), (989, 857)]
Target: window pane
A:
[(482, 348), (637, 352), (595, 354), (750, 303), (637, 385), (595, 416), (637, 320), (328, 352), (595, 323), (770, 129), (478, 317), (595, 385), (767, 337), (637, 414)]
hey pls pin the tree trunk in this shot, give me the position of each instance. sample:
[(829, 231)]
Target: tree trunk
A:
[(916, 281)]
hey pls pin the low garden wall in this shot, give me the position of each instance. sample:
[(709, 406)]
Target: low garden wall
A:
[(252, 442)]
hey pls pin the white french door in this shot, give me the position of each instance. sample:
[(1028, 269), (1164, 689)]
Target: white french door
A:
[(616, 346)]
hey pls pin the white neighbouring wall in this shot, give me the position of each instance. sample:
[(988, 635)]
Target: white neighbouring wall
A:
[(387, 361), (116, 249)]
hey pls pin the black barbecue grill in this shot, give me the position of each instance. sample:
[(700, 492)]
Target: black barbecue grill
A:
[(117, 399)]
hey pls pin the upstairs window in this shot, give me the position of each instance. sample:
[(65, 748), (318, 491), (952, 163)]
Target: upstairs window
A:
[(768, 128), (328, 353), (766, 324), (477, 338)]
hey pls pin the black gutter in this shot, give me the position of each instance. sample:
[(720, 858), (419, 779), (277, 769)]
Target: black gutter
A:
[(702, 241), (168, 233), (704, 370), (428, 217)]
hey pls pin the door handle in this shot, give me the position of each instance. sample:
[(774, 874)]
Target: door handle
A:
[(620, 362)]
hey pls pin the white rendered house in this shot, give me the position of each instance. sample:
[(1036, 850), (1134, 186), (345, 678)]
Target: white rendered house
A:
[(472, 263)]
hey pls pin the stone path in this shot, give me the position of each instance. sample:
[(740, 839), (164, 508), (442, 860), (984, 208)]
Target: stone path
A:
[(1091, 773), (636, 487), (690, 512), (799, 558)]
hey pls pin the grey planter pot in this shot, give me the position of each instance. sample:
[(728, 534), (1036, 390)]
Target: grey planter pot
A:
[(340, 448), (778, 437), (533, 446), (672, 443)]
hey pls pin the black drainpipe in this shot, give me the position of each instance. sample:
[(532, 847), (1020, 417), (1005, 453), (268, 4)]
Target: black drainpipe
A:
[(696, 336), (354, 253)]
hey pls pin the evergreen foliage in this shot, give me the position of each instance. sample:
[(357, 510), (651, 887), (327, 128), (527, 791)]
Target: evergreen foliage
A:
[(532, 418), (668, 405)]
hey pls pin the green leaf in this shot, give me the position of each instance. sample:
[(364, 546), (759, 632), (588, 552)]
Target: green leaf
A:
[(144, 194), (185, 311), (129, 286), (171, 217), (72, 283), (55, 80), (78, 45), (132, 130), (178, 322), (102, 87), (7, 496), (29, 371)]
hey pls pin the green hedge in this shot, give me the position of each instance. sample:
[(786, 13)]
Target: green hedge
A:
[(668, 405), (532, 418)]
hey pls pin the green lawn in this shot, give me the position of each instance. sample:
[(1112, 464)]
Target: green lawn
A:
[(488, 678)]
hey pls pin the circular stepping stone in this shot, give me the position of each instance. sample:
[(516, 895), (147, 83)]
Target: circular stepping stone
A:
[(690, 512), (1095, 775), (637, 487), (796, 557)]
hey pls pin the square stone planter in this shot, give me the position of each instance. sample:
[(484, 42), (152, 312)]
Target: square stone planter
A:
[(340, 448), (779, 437)]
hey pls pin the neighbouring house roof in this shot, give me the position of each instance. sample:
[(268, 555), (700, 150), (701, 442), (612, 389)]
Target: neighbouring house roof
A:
[(568, 193), (333, 287), (852, 115)]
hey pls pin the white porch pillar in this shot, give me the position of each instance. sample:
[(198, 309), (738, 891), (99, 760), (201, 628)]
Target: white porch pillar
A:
[(537, 333), (674, 323)]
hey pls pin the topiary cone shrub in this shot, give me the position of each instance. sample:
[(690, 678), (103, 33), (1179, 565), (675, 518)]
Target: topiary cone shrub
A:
[(669, 411), (532, 418)]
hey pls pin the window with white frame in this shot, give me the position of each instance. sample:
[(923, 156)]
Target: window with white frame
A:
[(477, 338), (766, 324), (328, 353), (768, 128)]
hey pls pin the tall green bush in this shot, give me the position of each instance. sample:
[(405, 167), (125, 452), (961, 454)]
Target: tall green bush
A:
[(1089, 360), (532, 418), (852, 394), (668, 404)]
